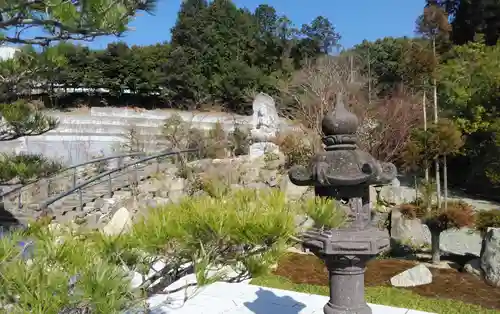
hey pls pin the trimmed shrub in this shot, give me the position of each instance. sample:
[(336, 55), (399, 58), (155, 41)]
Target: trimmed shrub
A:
[(46, 269), (458, 214)]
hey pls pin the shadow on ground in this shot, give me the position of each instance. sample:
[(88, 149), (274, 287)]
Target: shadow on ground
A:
[(269, 303)]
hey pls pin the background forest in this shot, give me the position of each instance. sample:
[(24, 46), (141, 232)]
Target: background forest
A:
[(433, 98)]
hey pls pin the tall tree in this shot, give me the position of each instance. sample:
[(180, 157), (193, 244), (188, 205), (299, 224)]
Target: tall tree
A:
[(396, 63), (433, 24), (469, 83), (184, 70), (470, 18), (321, 33), (214, 55)]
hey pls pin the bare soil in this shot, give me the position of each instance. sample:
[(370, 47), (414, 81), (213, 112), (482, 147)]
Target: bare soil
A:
[(446, 283)]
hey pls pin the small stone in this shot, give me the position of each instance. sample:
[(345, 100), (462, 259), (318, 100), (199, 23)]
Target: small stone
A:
[(473, 267), (120, 222), (416, 276)]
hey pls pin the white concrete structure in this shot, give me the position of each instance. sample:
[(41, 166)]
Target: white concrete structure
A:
[(7, 52), (241, 298), (100, 131)]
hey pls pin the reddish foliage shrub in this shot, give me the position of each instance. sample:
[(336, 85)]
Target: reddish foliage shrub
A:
[(457, 215), (412, 210), (408, 210)]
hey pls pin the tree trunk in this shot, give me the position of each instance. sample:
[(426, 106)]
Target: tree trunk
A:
[(426, 165), (445, 182), (436, 253), (438, 179), (416, 187)]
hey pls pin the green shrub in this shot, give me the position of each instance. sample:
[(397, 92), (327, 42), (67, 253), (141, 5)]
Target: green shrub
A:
[(326, 213), (245, 229), (25, 167), (487, 219), (50, 272), (235, 228)]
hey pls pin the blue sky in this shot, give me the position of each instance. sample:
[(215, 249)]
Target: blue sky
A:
[(355, 20)]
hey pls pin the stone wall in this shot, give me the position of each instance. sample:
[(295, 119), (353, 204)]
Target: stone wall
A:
[(99, 131)]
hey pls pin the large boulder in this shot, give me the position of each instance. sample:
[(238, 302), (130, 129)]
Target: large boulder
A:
[(121, 222), (490, 257), (409, 231)]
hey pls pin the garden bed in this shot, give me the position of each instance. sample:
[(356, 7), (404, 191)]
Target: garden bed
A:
[(457, 292)]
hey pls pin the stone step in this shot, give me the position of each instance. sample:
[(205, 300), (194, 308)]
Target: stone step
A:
[(69, 207)]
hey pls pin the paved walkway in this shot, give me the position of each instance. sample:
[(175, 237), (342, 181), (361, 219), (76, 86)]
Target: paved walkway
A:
[(241, 298)]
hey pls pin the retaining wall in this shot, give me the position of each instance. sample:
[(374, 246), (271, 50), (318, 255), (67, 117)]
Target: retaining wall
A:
[(80, 136)]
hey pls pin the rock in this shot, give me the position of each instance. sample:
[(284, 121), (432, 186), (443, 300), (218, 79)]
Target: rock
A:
[(409, 231), (473, 267), (92, 220), (261, 148), (177, 184), (294, 192), (416, 276), (157, 201), (389, 194), (151, 186), (490, 257), (269, 177), (303, 223), (104, 204), (175, 195), (120, 222)]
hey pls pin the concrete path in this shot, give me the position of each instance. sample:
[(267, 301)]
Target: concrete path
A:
[(241, 298)]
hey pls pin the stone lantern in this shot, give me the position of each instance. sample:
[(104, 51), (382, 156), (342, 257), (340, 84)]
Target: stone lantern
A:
[(344, 172)]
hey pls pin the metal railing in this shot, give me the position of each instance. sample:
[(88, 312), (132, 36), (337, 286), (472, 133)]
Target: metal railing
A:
[(108, 174), (71, 171)]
